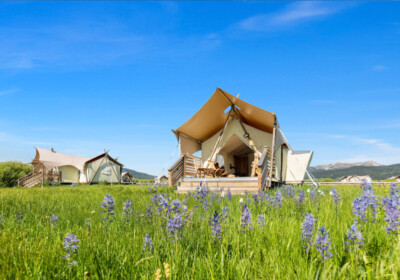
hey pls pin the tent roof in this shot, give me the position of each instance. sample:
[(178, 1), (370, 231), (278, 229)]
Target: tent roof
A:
[(52, 159), (103, 155), (212, 116)]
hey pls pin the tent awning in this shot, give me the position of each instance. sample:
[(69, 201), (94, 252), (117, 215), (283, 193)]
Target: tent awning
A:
[(212, 116)]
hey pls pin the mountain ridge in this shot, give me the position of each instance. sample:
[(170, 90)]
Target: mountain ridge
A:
[(137, 174), (341, 165)]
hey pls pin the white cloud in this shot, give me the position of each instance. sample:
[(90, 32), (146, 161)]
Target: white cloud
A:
[(9, 91), (379, 68), (293, 13)]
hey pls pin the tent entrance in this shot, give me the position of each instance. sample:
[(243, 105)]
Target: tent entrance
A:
[(238, 156)]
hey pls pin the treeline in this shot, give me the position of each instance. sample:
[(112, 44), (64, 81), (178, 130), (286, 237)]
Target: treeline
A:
[(376, 172), (11, 171)]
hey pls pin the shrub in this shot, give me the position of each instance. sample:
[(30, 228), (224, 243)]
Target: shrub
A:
[(11, 171), (326, 180)]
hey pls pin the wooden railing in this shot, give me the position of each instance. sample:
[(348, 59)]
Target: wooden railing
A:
[(191, 163), (264, 166), (31, 179), (185, 166), (175, 172)]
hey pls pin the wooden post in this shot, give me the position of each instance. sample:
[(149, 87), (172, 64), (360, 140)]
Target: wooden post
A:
[(170, 178), (272, 153)]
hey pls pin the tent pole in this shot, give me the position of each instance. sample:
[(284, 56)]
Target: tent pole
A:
[(272, 153), (219, 137)]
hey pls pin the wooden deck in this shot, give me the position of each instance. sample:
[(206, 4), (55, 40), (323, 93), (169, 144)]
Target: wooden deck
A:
[(236, 185)]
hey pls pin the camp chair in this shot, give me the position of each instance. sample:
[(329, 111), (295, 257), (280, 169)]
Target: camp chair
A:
[(221, 172)]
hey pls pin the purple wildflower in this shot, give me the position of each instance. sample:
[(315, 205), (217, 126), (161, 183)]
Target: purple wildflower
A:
[(335, 196), (323, 243), (224, 214), (19, 215), (307, 230), (201, 192), (261, 221), (301, 197), (148, 243), (362, 203), (354, 236), (229, 194), (108, 205), (175, 225), (255, 197), (289, 191), (54, 220), (278, 199), (392, 216), (213, 196), (216, 227), (176, 205), (246, 218), (313, 194), (127, 210), (205, 204), (70, 248)]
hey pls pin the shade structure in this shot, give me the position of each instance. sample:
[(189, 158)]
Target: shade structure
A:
[(212, 116), (51, 159)]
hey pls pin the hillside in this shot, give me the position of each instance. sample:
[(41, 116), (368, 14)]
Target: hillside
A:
[(376, 172), (137, 174), (340, 165)]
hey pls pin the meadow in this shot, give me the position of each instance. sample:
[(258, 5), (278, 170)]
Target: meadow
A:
[(134, 232)]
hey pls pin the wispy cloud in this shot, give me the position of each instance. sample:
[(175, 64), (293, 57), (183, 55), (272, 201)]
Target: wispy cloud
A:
[(9, 91), (292, 14), (379, 68)]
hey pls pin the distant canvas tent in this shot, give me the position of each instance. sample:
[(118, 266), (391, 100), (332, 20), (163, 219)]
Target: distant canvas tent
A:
[(355, 179), (161, 180), (394, 178), (53, 166), (245, 139), (127, 178)]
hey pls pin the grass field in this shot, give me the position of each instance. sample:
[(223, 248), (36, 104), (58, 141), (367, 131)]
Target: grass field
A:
[(192, 241)]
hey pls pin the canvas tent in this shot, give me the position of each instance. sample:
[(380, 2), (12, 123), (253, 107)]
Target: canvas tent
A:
[(127, 178), (161, 180), (231, 131), (355, 179), (50, 165)]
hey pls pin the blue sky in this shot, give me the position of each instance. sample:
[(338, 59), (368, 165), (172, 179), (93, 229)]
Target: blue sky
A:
[(87, 76)]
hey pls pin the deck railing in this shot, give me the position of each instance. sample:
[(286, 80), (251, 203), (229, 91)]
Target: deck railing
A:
[(264, 166), (31, 179), (185, 166)]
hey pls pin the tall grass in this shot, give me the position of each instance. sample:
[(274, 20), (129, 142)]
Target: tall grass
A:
[(32, 247)]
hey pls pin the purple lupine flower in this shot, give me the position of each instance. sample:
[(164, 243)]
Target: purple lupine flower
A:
[(307, 230), (261, 221), (108, 205), (149, 211), (127, 210), (175, 225), (154, 199), (201, 192), (362, 203), (278, 199), (205, 204), (354, 236), (216, 227), (269, 199), (229, 194), (301, 197), (323, 243), (335, 196), (313, 194), (224, 214), (70, 248), (246, 193), (213, 196), (176, 205), (148, 243), (289, 191), (255, 197), (245, 220), (53, 220), (392, 216)]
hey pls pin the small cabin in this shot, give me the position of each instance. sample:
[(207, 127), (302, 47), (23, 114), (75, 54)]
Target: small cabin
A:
[(394, 178), (355, 179), (231, 143)]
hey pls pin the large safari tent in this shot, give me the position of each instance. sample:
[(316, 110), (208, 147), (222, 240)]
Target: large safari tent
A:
[(52, 166), (231, 143)]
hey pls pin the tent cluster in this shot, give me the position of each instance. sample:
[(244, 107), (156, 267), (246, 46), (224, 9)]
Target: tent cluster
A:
[(65, 168), (232, 133), (355, 179)]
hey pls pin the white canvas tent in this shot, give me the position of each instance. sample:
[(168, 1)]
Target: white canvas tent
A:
[(231, 129), (50, 165)]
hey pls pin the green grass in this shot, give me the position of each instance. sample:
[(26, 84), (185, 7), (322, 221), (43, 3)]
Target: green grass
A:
[(32, 247)]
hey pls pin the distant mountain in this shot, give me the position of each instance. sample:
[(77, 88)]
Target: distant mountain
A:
[(340, 165), (381, 172), (138, 175)]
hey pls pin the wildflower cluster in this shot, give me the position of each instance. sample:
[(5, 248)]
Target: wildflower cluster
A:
[(148, 243), (127, 211), (323, 243), (53, 220), (392, 214), (245, 221), (307, 230), (108, 205), (354, 236), (70, 248), (366, 201)]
